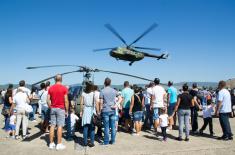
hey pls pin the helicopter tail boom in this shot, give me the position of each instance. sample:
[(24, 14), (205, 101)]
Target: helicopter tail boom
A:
[(163, 56)]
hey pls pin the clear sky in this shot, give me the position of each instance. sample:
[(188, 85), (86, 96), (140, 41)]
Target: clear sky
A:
[(198, 34)]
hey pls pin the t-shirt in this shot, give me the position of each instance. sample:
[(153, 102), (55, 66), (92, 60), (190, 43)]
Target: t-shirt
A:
[(158, 92), (12, 119), (164, 120), (88, 99), (73, 118), (57, 93), (185, 101), (108, 95), (24, 89), (20, 99), (225, 97), (147, 96), (127, 93), (207, 111), (172, 91), (42, 94)]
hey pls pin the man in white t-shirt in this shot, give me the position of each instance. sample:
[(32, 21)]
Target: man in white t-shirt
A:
[(23, 88), (223, 110), (21, 100), (158, 96)]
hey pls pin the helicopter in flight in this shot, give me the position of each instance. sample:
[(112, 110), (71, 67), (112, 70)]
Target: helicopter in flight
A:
[(130, 52)]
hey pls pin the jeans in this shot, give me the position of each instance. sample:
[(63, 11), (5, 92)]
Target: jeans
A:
[(148, 121), (68, 127), (225, 125), (206, 122), (32, 114), (21, 117), (164, 132), (91, 129), (7, 122), (183, 117), (194, 116), (109, 122)]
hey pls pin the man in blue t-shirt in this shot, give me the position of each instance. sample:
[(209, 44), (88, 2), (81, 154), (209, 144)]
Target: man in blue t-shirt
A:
[(172, 99), (126, 94)]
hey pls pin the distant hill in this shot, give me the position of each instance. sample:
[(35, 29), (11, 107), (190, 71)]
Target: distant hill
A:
[(177, 85)]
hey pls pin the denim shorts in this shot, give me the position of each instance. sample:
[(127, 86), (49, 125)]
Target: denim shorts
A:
[(57, 117), (155, 114), (171, 108), (45, 113), (138, 116), (12, 127)]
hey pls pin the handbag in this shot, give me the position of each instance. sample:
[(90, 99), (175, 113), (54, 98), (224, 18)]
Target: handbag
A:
[(5, 111), (28, 108)]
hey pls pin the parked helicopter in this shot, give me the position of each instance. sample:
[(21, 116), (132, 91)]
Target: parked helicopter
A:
[(129, 52), (76, 90)]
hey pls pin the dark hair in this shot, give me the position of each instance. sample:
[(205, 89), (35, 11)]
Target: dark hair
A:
[(22, 83), (222, 84), (170, 83), (48, 83), (157, 81), (95, 87), (194, 85), (10, 86), (185, 87), (107, 81), (126, 84), (151, 84), (43, 85), (9, 92), (34, 89), (136, 89), (89, 87)]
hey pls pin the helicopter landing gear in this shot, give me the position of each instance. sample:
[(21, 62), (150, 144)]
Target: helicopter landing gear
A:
[(131, 63)]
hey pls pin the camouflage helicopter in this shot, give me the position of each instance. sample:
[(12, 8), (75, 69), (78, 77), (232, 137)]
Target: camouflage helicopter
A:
[(75, 91), (129, 52)]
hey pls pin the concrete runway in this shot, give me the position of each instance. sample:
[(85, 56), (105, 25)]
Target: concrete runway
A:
[(145, 144)]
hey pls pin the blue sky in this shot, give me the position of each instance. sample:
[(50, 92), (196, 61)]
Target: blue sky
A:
[(198, 34)]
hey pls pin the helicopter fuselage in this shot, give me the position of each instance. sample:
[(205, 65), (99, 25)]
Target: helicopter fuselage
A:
[(126, 54)]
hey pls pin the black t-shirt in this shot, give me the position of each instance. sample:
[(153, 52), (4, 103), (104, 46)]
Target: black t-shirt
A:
[(6, 101), (185, 101), (137, 103)]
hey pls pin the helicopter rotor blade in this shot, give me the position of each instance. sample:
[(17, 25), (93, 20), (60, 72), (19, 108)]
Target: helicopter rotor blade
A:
[(109, 27), (54, 77), (49, 66), (103, 49), (147, 48), (97, 70), (145, 32)]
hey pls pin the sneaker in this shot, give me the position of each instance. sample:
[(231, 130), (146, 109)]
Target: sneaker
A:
[(91, 145), (52, 146), (34, 121), (200, 132), (17, 137), (230, 138), (105, 145), (179, 139), (24, 137), (60, 147), (186, 139)]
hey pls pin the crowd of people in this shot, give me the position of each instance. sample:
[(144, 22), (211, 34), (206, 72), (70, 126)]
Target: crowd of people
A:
[(132, 109)]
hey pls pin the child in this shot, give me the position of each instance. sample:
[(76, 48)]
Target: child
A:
[(74, 118), (207, 118), (164, 122), (12, 125)]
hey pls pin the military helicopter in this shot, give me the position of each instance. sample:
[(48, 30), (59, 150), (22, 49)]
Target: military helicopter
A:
[(129, 52), (75, 91)]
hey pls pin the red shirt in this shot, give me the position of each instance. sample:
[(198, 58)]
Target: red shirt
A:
[(57, 93)]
